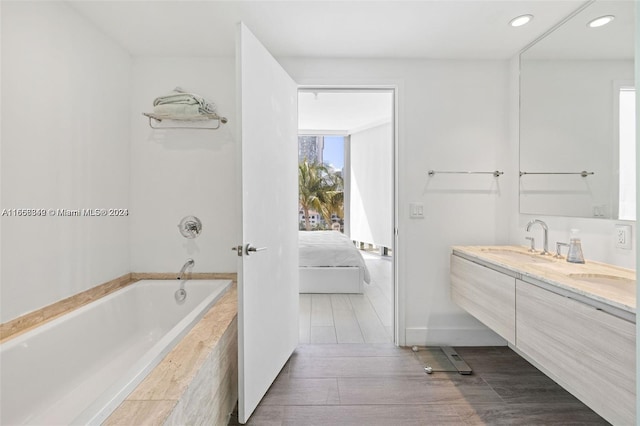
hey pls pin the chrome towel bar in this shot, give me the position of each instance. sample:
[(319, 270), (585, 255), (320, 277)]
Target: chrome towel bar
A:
[(583, 173), (158, 118), (495, 173)]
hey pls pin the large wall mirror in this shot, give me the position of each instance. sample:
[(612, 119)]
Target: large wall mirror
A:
[(577, 114)]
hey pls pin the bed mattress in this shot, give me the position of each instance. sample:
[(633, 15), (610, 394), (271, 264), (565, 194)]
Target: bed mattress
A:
[(328, 249)]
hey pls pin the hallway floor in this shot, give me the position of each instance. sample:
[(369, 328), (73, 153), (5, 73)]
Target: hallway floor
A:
[(352, 318), (380, 384)]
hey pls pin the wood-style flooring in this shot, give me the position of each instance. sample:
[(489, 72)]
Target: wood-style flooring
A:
[(352, 318), (347, 372), (380, 384)]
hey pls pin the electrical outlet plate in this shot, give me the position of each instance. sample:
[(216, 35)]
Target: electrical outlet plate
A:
[(622, 236)]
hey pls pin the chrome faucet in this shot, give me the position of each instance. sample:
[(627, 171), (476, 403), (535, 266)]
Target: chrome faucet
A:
[(187, 265), (545, 241)]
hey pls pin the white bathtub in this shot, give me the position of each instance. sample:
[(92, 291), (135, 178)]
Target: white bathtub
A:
[(78, 368)]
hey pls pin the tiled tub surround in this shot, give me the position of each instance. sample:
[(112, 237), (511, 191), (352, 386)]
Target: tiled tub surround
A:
[(88, 350), (197, 382), (575, 322), (41, 316)]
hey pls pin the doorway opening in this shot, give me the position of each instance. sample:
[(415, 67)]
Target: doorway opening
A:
[(346, 154)]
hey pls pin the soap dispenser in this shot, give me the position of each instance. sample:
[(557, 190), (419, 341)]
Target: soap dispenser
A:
[(575, 248)]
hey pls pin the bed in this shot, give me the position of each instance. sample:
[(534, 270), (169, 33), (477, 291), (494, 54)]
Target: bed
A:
[(330, 263)]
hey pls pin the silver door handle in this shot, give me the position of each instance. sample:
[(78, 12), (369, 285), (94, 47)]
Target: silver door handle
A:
[(249, 249)]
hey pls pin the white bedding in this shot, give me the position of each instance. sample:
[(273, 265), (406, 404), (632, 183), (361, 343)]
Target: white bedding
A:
[(329, 248)]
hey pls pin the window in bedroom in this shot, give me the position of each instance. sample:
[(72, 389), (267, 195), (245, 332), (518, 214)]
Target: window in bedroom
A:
[(321, 184)]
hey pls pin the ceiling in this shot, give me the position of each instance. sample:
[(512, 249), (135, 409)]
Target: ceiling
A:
[(443, 29), (432, 29), (575, 40), (343, 112)]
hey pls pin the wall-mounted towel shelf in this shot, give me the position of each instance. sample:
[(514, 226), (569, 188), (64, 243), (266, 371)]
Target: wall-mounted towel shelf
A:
[(495, 173), (215, 119), (583, 173)]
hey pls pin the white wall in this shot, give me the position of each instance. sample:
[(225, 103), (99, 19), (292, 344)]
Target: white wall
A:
[(74, 138), (65, 145), (175, 173), (453, 115), (636, 234), (1, 156), (567, 124), (93, 148), (371, 195)]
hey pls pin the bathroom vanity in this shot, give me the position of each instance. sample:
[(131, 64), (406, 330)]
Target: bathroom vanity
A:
[(575, 322)]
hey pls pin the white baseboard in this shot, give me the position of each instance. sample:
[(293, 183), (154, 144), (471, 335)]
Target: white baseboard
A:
[(422, 336)]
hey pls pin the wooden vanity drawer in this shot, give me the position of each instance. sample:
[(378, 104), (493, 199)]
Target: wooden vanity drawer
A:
[(587, 351), (486, 294)]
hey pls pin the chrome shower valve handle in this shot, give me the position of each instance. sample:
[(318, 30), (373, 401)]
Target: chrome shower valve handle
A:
[(190, 227)]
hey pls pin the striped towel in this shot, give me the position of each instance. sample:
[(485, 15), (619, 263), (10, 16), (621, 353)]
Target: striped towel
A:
[(180, 97)]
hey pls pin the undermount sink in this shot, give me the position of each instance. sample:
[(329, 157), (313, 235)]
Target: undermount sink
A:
[(517, 255), (602, 279)]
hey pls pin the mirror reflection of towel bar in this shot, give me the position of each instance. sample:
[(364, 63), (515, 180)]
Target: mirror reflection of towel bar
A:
[(583, 173), (494, 173)]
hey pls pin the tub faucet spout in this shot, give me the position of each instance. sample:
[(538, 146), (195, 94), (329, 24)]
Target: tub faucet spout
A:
[(187, 265)]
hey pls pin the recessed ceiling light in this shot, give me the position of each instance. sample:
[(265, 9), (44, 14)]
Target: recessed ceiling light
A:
[(521, 20), (603, 20)]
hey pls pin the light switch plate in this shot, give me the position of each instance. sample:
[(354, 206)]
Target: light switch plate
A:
[(622, 236), (416, 210)]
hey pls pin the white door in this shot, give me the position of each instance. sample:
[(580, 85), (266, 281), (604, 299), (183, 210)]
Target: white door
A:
[(267, 279)]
